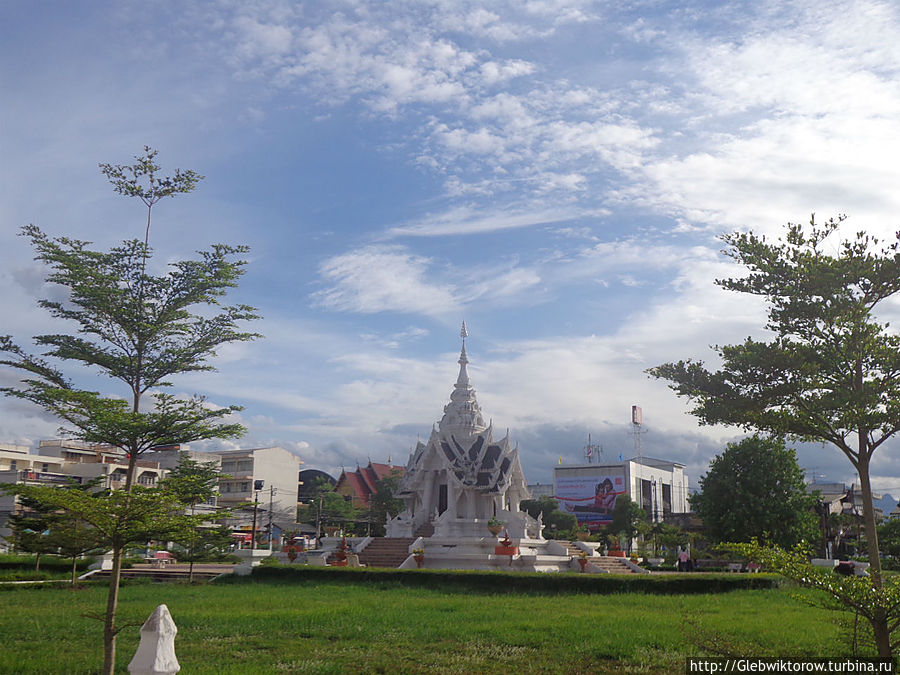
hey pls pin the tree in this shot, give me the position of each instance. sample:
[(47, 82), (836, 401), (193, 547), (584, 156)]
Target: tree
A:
[(383, 502), (668, 536), (831, 370), (135, 327), (30, 528), (42, 528), (755, 489), (326, 507), (192, 483), (889, 538), (627, 517), (554, 520)]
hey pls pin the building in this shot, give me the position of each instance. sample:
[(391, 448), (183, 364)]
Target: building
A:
[(269, 475), (358, 486), (539, 490), (88, 461), (461, 478), (56, 462), (589, 491)]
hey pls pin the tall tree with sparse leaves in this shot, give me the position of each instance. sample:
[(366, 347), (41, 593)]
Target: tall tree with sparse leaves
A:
[(830, 371), (135, 327)]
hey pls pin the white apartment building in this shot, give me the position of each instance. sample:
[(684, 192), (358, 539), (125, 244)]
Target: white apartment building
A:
[(277, 468)]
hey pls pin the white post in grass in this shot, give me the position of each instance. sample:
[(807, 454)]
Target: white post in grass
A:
[(155, 654)]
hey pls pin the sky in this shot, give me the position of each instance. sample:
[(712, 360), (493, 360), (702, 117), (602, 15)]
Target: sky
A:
[(554, 172)]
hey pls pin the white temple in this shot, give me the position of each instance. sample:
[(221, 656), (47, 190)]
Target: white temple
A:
[(454, 484), (462, 478)]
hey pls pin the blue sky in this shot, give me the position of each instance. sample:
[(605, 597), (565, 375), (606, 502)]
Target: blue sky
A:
[(555, 172)]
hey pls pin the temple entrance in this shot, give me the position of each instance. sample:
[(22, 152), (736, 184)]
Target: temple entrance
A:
[(442, 498)]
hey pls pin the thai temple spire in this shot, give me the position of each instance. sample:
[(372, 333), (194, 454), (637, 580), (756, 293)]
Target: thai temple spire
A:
[(462, 416), (463, 380)]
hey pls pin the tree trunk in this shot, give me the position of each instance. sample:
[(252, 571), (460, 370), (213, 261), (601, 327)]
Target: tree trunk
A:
[(869, 520), (109, 622), (879, 621), (882, 633), (74, 569)]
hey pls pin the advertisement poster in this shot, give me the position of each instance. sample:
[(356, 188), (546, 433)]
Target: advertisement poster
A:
[(590, 499)]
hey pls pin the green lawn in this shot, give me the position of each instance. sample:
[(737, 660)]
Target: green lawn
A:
[(326, 626)]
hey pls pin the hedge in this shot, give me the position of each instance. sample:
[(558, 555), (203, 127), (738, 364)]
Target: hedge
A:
[(48, 562), (515, 582)]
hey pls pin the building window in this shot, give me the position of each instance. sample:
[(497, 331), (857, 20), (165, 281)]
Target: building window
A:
[(45, 466), (12, 465), (228, 467), (245, 465), (245, 487)]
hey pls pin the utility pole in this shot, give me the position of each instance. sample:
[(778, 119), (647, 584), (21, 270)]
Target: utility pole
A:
[(257, 487), (319, 520), (271, 501)]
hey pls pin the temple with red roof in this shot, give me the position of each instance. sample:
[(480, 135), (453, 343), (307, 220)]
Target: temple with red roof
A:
[(360, 485)]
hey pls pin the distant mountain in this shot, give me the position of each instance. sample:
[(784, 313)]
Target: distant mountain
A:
[(886, 504)]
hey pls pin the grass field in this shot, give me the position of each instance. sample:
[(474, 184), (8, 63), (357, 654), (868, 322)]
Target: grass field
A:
[(329, 626)]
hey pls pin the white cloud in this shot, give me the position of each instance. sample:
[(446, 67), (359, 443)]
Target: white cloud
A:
[(382, 278), (465, 220)]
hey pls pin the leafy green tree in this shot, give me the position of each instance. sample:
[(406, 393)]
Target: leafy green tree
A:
[(74, 537), (203, 543), (627, 517), (555, 521), (326, 507), (831, 370), (30, 528), (192, 483), (41, 528), (889, 538), (668, 536), (137, 328), (851, 593), (383, 502), (755, 489)]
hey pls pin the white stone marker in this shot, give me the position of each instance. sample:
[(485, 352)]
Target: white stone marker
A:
[(155, 654)]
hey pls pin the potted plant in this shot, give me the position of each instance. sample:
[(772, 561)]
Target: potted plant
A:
[(418, 556), (582, 560), (582, 533), (615, 550), (494, 526)]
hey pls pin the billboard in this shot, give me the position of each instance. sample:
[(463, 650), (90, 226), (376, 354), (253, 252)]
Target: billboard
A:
[(592, 497)]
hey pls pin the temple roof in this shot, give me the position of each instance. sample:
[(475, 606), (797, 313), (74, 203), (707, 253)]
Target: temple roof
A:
[(362, 483)]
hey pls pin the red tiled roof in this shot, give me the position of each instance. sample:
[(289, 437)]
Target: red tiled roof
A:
[(362, 482)]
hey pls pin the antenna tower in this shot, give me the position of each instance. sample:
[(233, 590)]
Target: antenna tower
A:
[(592, 451), (637, 429)]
